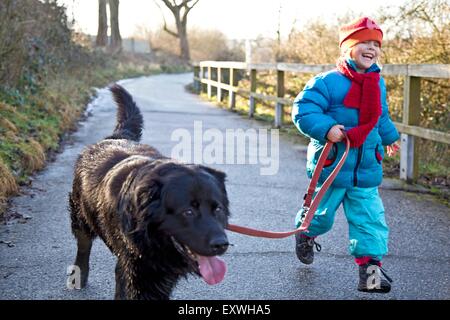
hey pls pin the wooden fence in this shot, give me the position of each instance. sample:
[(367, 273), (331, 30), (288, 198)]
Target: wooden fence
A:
[(204, 79)]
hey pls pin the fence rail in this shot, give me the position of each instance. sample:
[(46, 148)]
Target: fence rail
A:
[(409, 127)]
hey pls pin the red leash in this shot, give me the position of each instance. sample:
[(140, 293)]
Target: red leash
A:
[(309, 205)]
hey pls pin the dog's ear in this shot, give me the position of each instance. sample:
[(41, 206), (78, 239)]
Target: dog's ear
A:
[(136, 201), (219, 175), (146, 192)]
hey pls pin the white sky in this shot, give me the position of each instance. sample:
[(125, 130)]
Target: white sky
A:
[(238, 19)]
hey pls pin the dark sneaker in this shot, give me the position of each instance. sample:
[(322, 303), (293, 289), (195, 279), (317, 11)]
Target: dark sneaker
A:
[(304, 248), (370, 278)]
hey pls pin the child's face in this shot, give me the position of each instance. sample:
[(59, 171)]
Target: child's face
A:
[(365, 54)]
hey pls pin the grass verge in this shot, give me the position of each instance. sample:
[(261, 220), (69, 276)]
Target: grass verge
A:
[(32, 123)]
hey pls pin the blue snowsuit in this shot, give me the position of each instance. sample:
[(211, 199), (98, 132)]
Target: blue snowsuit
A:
[(318, 108)]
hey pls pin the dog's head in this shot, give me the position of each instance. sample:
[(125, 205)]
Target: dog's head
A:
[(183, 206)]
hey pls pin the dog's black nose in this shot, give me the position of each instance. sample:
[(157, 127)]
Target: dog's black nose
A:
[(219, 245)]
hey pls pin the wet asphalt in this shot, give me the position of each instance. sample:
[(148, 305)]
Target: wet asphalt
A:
[(35, 252)]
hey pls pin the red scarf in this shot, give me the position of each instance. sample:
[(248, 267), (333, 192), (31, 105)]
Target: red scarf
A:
[(364, 94)]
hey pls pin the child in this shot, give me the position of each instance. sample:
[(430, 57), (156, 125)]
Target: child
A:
[(351, 98)]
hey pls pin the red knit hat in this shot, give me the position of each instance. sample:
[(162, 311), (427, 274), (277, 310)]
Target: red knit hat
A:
[(359, 30)]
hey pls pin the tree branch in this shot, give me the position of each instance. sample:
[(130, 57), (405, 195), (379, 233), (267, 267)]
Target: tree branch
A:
[(187, 8), (187, 1), (170, 5), (172, 33), (165, 27)]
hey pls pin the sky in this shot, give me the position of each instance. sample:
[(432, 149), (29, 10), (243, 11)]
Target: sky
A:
[(237, 19)]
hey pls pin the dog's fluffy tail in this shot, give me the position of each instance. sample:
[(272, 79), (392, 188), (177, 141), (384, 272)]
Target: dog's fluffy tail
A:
[(129, 118)]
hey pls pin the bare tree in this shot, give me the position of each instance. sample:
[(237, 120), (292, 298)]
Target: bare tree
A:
[(180, 10), (102, 33), (116, 39), (278, 54)]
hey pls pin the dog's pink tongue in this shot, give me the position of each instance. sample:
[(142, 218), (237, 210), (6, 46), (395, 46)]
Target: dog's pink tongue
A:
[(212, 269)]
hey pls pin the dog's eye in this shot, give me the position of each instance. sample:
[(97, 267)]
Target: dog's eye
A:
[(218, 209), (188, 213)]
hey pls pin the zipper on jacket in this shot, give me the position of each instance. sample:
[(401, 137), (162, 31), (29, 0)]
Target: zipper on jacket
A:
[(355, 177)]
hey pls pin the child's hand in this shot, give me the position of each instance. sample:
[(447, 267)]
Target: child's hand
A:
[(335, 134), (392, 149)]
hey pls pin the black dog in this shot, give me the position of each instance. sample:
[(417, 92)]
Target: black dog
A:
[(162, 219)]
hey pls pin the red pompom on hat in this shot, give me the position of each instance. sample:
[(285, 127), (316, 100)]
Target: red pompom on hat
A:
[(359, 30)]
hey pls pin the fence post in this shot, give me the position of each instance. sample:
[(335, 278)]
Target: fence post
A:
[(252, 101), (232, 94), (409, 160), (280, 94), (219, 80), (209, 83), (197, 83), (202, 77)]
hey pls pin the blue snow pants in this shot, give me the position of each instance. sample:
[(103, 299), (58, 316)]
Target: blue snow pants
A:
[(368, 232)]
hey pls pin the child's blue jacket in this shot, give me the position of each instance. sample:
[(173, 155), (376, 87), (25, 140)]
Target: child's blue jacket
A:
[(319, 107)]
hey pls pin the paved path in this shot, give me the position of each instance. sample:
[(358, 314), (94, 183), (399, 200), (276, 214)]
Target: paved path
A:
[(33, 266)]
